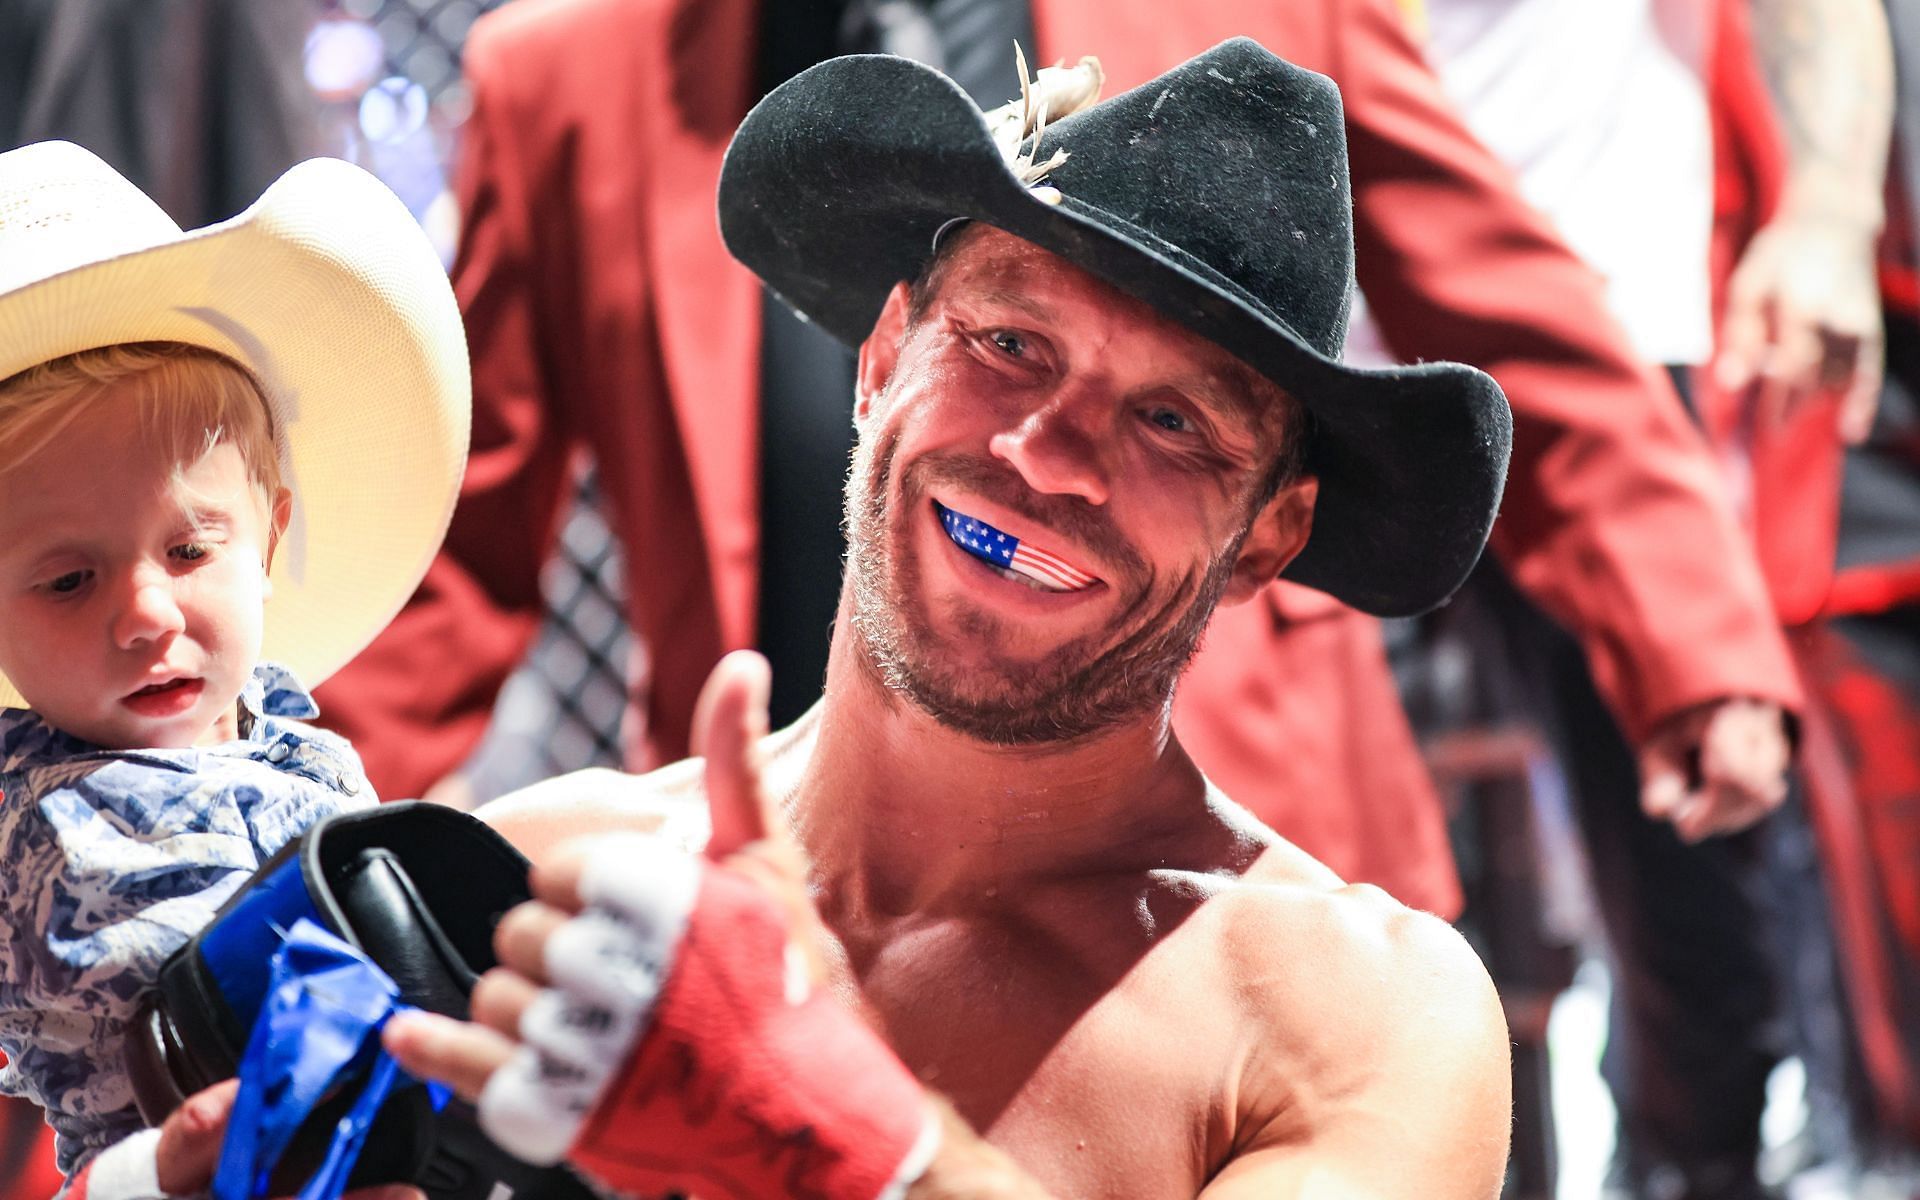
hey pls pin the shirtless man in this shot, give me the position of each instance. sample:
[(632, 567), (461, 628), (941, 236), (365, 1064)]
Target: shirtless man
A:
[(1015, 890)]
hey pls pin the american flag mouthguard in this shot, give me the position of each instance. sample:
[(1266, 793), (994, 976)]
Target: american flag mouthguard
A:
[(990, 545)]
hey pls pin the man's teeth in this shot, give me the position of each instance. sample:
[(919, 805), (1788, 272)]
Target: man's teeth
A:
[(1036, 584)]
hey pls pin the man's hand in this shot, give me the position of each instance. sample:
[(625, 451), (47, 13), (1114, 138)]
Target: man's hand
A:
[(189, 1147), (1803, 322), (1803, 306), (1716, 768), (657, 1018), (748, 834), (453, 790)]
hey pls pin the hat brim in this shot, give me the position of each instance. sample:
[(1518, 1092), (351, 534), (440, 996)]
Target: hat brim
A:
[(832, 212), (328, 293)]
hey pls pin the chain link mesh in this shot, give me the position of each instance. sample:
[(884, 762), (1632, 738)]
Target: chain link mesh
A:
[(565, 707)]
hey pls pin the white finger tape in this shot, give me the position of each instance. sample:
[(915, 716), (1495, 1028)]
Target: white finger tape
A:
[(601, 958), (607, 965), (652, 885), (533, 1107), (581, 1033)]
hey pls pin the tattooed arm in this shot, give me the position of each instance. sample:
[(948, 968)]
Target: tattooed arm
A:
[(1831, 66), (1803, 311)]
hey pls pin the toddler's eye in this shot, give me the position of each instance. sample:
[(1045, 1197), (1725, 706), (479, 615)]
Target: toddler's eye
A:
[(189, 551), (72, 581)]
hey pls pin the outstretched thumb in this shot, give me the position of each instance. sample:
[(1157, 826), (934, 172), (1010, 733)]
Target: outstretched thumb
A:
[(728, 724)]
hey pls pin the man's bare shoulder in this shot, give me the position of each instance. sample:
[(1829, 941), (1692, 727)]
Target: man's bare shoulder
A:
[(1366, 947), (1371, 1024), (1375, 1020), (1369, 955), (1284, 897), (669, 802)]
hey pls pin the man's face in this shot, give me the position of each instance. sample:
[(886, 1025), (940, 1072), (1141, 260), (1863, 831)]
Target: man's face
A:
[(1033, 400), (131, 603)]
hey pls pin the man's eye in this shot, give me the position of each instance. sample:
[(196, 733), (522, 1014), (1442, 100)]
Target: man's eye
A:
[(189, 552), (72, 581), (1010, 344), (1170, 419)]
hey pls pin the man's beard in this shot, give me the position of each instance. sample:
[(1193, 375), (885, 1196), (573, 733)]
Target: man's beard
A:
[(1080, 688)]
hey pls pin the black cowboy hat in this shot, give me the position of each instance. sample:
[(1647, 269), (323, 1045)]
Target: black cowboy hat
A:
[(1217, 194)]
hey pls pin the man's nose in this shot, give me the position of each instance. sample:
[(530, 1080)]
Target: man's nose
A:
[(1061, 447), (148, 612)]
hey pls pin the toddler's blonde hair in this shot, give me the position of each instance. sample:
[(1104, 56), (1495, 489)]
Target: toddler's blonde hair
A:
[(185, 398)]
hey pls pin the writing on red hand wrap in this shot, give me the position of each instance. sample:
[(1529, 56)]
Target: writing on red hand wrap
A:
[(745, 1083)]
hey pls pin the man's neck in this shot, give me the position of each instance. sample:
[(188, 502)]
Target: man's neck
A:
[(899, 813)]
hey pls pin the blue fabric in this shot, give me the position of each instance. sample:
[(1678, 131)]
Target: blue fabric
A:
[(248, 933), (112, 860), (326, 1002)]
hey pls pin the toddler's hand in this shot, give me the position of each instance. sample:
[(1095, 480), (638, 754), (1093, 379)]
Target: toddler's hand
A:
[(182, 1158)]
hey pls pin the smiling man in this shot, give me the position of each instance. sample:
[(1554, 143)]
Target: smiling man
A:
[(1043, 457), (1098, 395)]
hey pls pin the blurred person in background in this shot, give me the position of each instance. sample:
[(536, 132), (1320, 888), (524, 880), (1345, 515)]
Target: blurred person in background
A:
[(1860, 649), (1646, 134), (201, 104)]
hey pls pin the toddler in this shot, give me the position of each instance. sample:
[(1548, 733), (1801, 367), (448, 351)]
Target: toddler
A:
[(147, 505)]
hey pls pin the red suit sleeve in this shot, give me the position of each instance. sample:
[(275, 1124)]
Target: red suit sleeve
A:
[(1614, 519), (416, 702)]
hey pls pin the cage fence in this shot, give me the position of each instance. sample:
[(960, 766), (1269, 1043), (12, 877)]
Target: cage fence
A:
[(387, 74)]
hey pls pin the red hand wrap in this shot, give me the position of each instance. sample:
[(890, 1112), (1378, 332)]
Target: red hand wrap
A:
[(736, 1091)]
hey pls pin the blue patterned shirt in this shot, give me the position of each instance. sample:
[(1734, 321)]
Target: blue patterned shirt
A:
[(111, 860)]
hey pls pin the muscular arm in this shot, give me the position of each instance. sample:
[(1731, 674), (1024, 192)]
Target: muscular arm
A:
[(1419, 1102), (1407, 1054), (1397, 1083), (1382, 1072), (1421, 1105), (1412, 1094)]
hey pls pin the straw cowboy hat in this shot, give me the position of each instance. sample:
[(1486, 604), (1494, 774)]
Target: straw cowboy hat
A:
[(327, 292), (1217, 194)]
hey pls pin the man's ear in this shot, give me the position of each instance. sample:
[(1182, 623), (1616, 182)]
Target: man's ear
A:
[(277, 521), (880, 353), (1278, 533)]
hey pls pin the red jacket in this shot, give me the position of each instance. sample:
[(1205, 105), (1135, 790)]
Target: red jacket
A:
[(604, 312)]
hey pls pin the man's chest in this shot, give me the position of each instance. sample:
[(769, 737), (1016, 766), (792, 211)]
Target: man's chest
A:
[(1102, 1067)]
